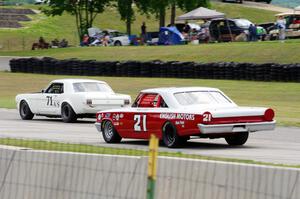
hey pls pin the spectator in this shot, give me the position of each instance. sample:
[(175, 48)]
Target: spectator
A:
[(63, 43), (105, 39), (54, 43), (186, 30), (194, 36), (143, 33), (252, 32), (42, 44), (85, 40), (281, 24)]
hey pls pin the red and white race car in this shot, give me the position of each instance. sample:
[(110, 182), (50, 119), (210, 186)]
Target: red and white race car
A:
[(176, 114)]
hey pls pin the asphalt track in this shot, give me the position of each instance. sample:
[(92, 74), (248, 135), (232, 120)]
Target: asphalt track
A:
[(279, 146)]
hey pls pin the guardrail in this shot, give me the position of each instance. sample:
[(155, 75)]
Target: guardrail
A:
[(174, 69), (45, 174)]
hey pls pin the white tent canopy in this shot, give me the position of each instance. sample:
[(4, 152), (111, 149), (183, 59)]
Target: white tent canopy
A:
[(201, 13), (297, 8)]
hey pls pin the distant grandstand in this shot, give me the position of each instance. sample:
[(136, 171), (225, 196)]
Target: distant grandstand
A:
[(10, 17)]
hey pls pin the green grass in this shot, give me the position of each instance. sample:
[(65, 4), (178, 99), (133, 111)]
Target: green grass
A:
[(82, 148), (64, 26), (283, 97), (259, 52)]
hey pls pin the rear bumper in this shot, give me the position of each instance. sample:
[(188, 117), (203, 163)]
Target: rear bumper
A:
[(237, 127), (98, 126)]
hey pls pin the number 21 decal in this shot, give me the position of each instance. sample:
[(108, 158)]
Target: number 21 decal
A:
[(138, 126)]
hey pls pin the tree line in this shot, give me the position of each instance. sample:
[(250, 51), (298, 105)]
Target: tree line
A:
[(86, 11)]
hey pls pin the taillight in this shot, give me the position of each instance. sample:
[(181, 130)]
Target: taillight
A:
[(89, 102), (126, 102), (206, 118), (269, 115)]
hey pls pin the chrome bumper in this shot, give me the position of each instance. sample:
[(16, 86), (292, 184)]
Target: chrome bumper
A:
[(237, 127), (98, 126)]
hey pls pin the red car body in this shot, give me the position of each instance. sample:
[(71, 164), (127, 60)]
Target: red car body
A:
[(167, 113)]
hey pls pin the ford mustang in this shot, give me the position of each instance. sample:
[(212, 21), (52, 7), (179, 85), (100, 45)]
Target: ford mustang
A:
[(70, 99), (175, 115)]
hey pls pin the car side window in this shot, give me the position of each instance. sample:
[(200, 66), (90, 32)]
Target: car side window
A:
[(55, 88), (150, 100)]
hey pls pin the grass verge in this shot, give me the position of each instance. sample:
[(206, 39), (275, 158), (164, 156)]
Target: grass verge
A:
[(283, 97), (81, 148), (64, 26), (254, 52)]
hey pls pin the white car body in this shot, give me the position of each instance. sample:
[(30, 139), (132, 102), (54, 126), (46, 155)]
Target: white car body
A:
[(74, 92), (118, 39)]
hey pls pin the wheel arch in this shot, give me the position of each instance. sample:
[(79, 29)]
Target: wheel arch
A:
[(71, 104), (23, 100), (106, 120)]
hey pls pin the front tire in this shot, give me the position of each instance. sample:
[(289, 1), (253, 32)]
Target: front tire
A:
[(237, 139), (109, 133), (67, 113), (170, 136), (25, 111)]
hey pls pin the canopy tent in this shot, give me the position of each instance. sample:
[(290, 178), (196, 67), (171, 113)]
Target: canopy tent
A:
[(201, 13), (170, 36)]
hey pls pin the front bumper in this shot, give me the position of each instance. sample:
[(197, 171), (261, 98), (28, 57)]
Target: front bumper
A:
[(98, 126), (237, 127)]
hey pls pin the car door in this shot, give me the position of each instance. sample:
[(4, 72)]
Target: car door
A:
[(50, 103), (144, 118)]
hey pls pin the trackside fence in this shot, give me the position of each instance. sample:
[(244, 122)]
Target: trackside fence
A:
[(174, 69), (37, 174)]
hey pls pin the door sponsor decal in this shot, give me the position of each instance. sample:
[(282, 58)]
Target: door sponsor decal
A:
[(178, 116)]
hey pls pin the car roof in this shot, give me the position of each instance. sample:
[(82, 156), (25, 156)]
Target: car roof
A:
[(76, 81), (178, 89)]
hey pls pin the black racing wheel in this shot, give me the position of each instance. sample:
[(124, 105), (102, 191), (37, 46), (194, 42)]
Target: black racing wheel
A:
[(25, 111)]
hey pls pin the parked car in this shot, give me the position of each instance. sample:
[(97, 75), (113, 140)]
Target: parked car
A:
[(292, 26), (192, 26), (176, 114), (70, 99), (241, 1), (230, 29), (116, 38), (235, 1)]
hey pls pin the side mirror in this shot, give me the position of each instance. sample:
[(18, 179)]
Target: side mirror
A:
[(43, 91)]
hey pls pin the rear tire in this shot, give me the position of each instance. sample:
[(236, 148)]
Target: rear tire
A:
[(237, 139), (109, 133), (67, 113), (170, 137), (25, 111), (118, 43)]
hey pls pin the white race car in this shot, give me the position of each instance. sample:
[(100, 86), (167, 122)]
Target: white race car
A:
[(70, 99)]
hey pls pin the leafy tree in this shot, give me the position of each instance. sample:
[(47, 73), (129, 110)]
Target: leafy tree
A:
[(85, 11), (159, 7), (127, 13)]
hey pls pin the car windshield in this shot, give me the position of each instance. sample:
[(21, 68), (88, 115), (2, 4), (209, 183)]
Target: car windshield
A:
[(91, 87), (244, 23), (201, 97)]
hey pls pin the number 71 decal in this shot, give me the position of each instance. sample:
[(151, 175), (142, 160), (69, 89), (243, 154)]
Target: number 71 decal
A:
[(137, 123)]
